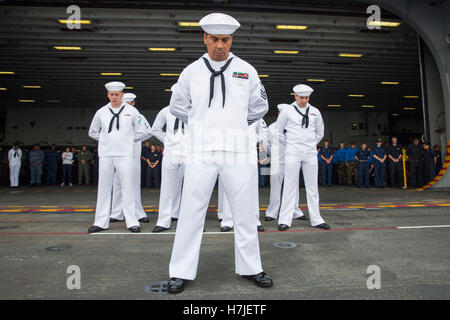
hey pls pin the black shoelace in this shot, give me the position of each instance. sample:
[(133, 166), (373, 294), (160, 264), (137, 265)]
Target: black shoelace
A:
[(214, 74)]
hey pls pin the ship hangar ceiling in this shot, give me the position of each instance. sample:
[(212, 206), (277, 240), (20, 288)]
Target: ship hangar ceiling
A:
[(120, 33)]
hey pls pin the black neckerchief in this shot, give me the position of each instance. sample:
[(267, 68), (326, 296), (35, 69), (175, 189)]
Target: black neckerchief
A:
[(214, 74), (115, 115), (305, 117), (177, 124)]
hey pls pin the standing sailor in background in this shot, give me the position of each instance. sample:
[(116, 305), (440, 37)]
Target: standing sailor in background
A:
[(117, 126), (175, 148), (305, 129), (326, 154), (258, 131), (218, 141), (276, 147), (380, 155), (116, 211), (15, 162)]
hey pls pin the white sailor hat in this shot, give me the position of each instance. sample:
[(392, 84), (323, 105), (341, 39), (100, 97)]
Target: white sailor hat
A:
[(303, 90), (281, 106), (128, 97), (219, 23), (115, 86)]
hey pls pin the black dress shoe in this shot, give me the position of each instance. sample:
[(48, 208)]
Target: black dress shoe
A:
[(261, 280), (135, 229), (225, 229), (303, 217), (114, 220), (283, 227), (95, 229), (144, 220), (176, 285), (323, 226), (220, 220), (159, 229), (261, 229), (269, 219), (174, 219)]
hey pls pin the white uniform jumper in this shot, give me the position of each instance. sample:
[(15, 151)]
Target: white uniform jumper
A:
[(258, 130), (303, 133), (172, 170), (218, 144), (116, 153), (276, 145), (15, 162), (116, 211)]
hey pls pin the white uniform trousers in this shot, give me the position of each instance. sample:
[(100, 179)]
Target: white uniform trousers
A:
[(172, 172), (14, 170), (124, 166), (199, 179), (293, 163), (276, 184), (224, 209), (116, 210)]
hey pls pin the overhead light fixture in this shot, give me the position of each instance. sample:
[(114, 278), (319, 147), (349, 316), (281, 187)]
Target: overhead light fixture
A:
[(52, 101), (7, 72), (66, 48), (409, 108), (169, 74), (411, 97), (390, 82), (292, 94), (74, 21), (316, 80), (167, 90), (188, 24), (392, 24), (24, 100), (111, 73), (356, 95), (286, 51), (32, 87), (395, 114), (129, 88), (264, 75), (290, 27), (3, 89), (367, 106), (350, 55), (335, 105), (162, 49)]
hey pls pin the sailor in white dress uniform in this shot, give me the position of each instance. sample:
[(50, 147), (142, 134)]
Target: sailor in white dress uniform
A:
[(218, 144), (304, 129), (276, 145), (117, 126), (116, 209), (172, 171), (15, 162)]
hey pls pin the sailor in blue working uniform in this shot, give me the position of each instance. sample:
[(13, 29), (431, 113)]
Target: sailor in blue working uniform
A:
[(429, 162), (395, 163), (362, 156), (415, 154), (52, 158), (379, 153), (326, 155)]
